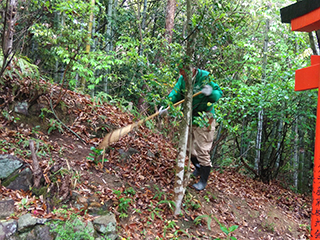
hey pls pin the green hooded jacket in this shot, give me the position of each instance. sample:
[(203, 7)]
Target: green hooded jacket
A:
[(200, 103)]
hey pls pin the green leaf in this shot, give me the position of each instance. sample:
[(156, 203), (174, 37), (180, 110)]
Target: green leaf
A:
[(233, 228), (224, 229), (209, 222)]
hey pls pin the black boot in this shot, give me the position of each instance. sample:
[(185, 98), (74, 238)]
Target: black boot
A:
[(196, 163), (204, 175)]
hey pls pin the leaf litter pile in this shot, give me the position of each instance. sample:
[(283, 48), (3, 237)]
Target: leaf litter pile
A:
[(135, 177)]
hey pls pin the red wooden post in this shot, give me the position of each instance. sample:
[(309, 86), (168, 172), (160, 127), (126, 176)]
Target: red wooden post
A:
[(309, 78), (305, 16)]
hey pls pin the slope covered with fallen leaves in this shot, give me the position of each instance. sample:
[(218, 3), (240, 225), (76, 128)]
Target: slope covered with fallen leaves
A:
[(135, 181)]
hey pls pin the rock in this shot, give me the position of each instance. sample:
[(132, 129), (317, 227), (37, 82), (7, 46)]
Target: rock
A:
[(91, 228), (6, 207), (19, 180), (31, 228), (105, 224), (39, 232), (88, 227), (125, 155), (11, 174), (21, 108), (8, 228), (9, 164), (41, 221), (26, 222), (150, 154)]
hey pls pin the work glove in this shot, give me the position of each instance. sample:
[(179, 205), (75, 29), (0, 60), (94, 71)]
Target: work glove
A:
[(206, 90), (163, 111)]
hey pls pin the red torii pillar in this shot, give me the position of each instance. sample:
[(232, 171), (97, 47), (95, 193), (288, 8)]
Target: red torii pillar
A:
[(304, 16)]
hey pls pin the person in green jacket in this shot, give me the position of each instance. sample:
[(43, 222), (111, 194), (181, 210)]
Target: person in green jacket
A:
[(202, 107)]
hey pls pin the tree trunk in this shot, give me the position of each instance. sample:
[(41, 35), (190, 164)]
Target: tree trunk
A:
[(10, 20), (169, 25), (301, 158), (143, 26), (295, 159), (318, 38), (142, 103), (280, 132), (312, 44), (109, 45), (258, 164), (258, 140), (8, 33), (83, 80), (180, 179), (170, 12), (37, 171), (308, 165)]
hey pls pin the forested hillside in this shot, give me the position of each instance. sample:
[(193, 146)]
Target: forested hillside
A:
[(82, 69)]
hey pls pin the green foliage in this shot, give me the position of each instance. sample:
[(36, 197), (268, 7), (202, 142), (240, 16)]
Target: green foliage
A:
[(25, 203), (190, 202), (21, 146), (9, 117), (129, 191), (22, 68), (43, 149), (44, 113), (73, 228), (154, 211), (123, 206), (128, 63), (171, 204), (54, 124), (123, 203), (202, 120), (158, 193), (95, 154), (226, 230), (169, 224)]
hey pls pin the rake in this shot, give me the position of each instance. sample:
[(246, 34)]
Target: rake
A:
[(115, 135)]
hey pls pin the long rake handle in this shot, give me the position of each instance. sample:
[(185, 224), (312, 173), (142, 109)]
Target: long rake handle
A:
[(115, 135), (157, 113)]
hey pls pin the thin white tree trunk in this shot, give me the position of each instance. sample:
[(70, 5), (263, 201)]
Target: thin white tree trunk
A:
[(56, 69), (179, 188), (180, 179), (312, 43), (295, 155), (260, 114), (300, 157), (280, 128), (143, 26), (109, 45), (259, 139)]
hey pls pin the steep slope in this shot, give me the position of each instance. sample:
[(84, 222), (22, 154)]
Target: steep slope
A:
[(135, 180)]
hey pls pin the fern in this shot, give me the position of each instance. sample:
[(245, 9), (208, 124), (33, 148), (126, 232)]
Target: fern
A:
[(22, 68)]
